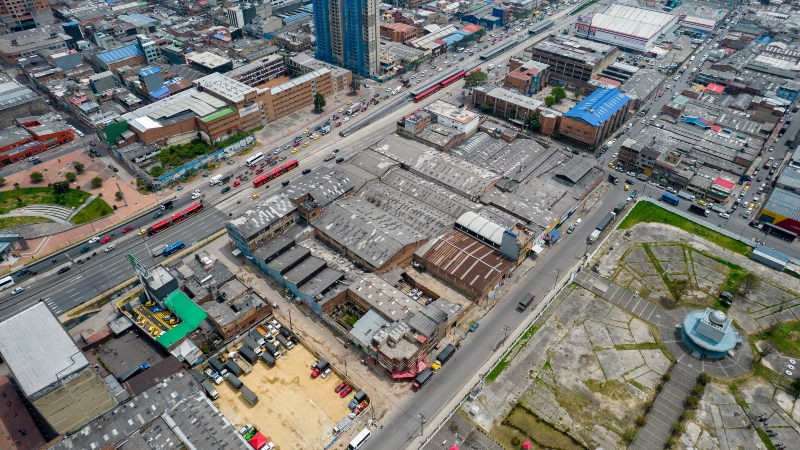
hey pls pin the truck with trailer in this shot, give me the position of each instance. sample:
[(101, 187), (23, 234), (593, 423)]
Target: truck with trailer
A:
[(234, 381), (216, 179), (249, 395), (669, 198), (697, 209), (353, 108), (421, 379), (443, 356), (607, 220), (718, 208), (686, 195)]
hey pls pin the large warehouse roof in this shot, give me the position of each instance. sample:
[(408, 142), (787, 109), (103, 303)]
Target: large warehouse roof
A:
[(599, 106), (637, 22)]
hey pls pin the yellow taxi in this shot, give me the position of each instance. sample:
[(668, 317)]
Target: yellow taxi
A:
[(349, 102), (701, 203), (746, 188), (752, 204), (316, 138), (305, 145), (294, 150), (448, 92), (255, 196), (612, 165), (141, 232), (626, 187), (306, 131), (341, 110)]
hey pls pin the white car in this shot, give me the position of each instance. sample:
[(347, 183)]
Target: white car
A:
[(94, 239), (195, 195), (109, 248), (630, 174), (614, 155), (346, 119), (724, 216), (672, 191), (17, 290)]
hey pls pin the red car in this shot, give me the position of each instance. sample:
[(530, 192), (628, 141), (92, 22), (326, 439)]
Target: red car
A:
[(340, 387), (345, 391), (128, 228), (315, 373), (105, 239), (258, 171), (363, 109), (296, 144), (338, 124), (236, 184)]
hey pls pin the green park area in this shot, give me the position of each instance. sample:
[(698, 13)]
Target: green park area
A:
[(646, 212), (96, 209), (15, 221), (19, 198)]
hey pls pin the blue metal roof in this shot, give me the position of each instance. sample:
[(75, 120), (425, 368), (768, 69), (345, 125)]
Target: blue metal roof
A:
[(120, 53), (776, 255), (599, 106), (695, 121), (765, 39), (158, 93), (142, 17), (149, 71), (219, 36), (453, 38), (295, 17)]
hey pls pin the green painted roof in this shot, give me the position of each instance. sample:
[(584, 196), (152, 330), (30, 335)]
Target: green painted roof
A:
[(190, 314), (218, 114)]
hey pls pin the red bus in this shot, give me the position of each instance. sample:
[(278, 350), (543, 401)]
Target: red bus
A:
[(262, 180), (175, 218), (290, 165), (476, 69), (194, 209), (426, 94), (453, 79), (159, 227)]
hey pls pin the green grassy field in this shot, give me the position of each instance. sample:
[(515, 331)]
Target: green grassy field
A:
[(96, 209), (645, 212), (18, 198), (8, 222)]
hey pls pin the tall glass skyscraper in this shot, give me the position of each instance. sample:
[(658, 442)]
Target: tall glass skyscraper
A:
[(347, 34)]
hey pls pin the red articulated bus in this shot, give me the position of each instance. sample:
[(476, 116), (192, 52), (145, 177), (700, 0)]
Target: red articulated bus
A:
[(290, 165), (263, 179), (175, 218), (274, 173), (427, 93), (159, 227), (476, 69), (453, 79), (194, 209)]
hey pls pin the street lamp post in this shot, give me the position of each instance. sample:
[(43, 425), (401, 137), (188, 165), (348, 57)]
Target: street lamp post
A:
[(558, 275), (422, 420)]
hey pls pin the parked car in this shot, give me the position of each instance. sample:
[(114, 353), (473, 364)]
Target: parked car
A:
[(341, 386), (94, 239), (63, 270), (473, 327), (345, 391)]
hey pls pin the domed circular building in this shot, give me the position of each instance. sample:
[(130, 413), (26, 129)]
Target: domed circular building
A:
[(709, 333)]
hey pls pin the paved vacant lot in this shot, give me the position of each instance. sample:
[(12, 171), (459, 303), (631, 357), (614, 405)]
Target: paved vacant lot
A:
[(294, 410)]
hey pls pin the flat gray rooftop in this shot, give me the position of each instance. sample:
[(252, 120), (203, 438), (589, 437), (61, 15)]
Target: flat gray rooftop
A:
[(273, 248), (38, 350), (427, 220), (289, 259), (321, 282), (262, 215), (429, 192), (325, 185), (305, 270)]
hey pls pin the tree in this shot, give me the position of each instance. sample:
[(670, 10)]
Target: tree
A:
[(577, 95), (118, 195), (36, 177), (558, 93), (767, 348), (157, 171), (486, 107), (78, 167), (481, 33), (61, 187), (97, 182), (319, 101), (355, 85), (475, 79), (70, 176), (2, 181), (16, 185), (680, 287), (748, 282), (549, 100), (796, 387)]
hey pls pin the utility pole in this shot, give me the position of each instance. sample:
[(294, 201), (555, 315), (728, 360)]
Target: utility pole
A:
[(506, 328), (290, 319), (558, 272), (422, 420)]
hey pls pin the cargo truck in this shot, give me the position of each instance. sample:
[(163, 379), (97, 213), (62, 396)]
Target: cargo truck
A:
[(686, 195), (620, 206), (527, 299), (353, 108), (248, 354), (718, 208), (234, 381), (607, 220), (205, 384), (443, 356), (422, 379), (669, 198), (697, 209), (250, 342), (593, 237), (249, 395), (257, 336), (233, 368), (217, 179), (268, 359), (613, 179), (246, 366), (217, 365), (272, 349), (284, 342)]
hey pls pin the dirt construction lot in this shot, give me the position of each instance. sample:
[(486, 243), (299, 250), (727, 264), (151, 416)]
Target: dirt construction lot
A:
[(293, 411)]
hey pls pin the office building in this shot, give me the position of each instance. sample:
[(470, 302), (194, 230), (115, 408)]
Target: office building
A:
[(24, 15), (347, 34), (572, 61)]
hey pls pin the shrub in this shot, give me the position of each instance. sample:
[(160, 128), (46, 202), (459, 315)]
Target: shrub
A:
[(515, 441), (118, 195), (78, 167), (679, 429), (703, 378), (453, 426), (659, 387), (114, 207), (37, 177), (692, 401), (641, 421), (70, 176), (698, 390), (629, 435), (2, 181), (16, 185), (665, 377), (97, 182)]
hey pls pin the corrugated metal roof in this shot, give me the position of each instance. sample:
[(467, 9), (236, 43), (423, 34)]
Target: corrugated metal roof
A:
[(599, 106), (637, 22), (121, 53), (149, 71), (482, 227)]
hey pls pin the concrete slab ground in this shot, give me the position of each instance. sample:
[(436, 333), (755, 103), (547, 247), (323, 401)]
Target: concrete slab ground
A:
[(294, 410), (127, 351)]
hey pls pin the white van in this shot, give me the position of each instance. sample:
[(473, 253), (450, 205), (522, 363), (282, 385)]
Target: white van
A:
[(215, 180)]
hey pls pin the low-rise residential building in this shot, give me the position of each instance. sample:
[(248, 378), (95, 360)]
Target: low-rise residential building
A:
[(399, 32), (31, 136)]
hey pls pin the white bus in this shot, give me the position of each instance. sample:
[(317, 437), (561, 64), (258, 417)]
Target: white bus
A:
[(6, 282), (255, 159), (359, 440)]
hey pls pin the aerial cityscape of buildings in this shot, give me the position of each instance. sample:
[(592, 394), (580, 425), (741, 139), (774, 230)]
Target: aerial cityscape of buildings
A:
[(270, 224)]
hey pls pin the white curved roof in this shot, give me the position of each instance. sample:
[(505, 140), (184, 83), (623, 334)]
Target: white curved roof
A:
[(482, 227), (637, 22)]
